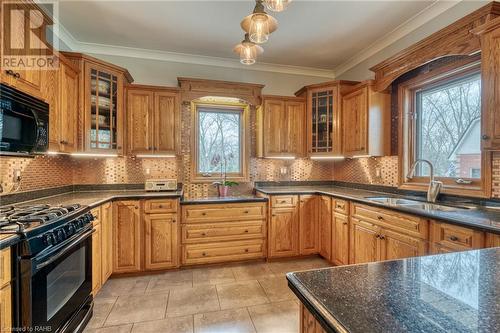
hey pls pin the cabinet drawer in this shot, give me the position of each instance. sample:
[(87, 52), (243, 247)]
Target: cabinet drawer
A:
[(223, 251), (225, 231), (223, 213), (5, 267), (455, 237), (284, 201), (341, 206), (412, 225), (160, 206)]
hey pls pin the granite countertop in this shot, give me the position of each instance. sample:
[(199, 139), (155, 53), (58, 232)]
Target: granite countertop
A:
[(456, 292), (480, 218), (215, 200)]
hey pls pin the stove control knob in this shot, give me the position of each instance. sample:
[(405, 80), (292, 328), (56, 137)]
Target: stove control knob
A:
[(70, 229), (80, 222), (61, 235), (47, 239)]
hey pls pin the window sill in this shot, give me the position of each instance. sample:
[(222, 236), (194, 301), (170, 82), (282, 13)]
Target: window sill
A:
[(201, 179), (459, 190)]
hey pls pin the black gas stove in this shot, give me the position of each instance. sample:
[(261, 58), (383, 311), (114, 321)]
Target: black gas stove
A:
[(54, 264)]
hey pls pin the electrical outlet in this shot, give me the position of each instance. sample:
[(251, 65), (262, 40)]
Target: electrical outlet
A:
[(283, 170), (378, 172), (17, 175), (148, 171)]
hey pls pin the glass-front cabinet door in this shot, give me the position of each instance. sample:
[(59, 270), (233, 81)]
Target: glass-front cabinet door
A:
[(323, 121), (104, 110)]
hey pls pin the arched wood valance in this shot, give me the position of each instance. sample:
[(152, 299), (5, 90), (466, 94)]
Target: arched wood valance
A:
[(192, 89), (455, 39)]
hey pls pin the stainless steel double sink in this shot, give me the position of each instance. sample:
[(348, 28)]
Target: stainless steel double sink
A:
[(415, 204)]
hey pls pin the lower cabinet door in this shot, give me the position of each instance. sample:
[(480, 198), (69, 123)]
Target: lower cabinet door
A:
[(161, 241), (107, 241), (96, 259), (284, 233), (340, 239), (365, 242), (308, 225), (6, 309), (325, 228), (126, 237), (399, 246)]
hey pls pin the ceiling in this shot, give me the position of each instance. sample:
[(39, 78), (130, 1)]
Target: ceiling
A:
[(314, 34)]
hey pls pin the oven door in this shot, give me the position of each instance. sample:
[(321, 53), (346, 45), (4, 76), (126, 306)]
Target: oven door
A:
[(61, 284)]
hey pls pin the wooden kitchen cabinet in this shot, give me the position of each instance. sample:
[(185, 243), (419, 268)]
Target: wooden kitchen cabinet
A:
[(101, 104), (490, 84), (308, 225), (308, 323), (340, 239), (153, 119), (96, 258), (127, 235), (281, 127), (106, 241), (492, 240), (397, 245), (445, 237), (324, 116), (6, 308), (366, 121), (67, 108), (160, 241), (325, 227), (283, 240), (365, 242)]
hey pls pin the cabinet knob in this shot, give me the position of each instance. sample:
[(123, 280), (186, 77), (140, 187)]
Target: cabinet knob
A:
[(344, 223), (204, 254), (160, 206), (382, 237), (203, 234), (453, 238), (203, 213), (380, 218), (377, 236), (246, 231), (485, 137), (246, 250), (246, 212), (174, 220), (136, 207)]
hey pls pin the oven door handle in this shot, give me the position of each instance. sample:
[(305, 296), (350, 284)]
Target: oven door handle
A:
[(66, 249)]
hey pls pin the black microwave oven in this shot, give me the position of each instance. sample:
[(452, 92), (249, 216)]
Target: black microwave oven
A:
[(24, 123)]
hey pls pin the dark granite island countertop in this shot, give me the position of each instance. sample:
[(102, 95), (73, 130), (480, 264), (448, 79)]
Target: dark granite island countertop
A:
[(456, 292)]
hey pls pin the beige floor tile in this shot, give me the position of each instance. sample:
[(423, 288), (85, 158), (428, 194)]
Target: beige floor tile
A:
[(225, 321), (169, 325), (285, 266), (217, 275), (111, 329), (102, 308), (276, 289), (241, 294), (170, 280), (282, 317), (131, 309), (252, 271), (186, 301), (124, 286)]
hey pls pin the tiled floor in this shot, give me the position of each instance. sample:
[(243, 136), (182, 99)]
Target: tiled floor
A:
[(232, 298)]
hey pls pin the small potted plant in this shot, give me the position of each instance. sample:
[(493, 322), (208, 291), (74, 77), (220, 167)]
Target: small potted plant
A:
[(223, 185)]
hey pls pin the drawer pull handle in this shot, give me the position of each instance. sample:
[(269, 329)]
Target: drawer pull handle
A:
[(344, 223), (453, 238), (136, 207), (246, 212), (246, 231), (382, 237), (203, 234), (203, 213), (204, 254), (380, 218), (283, 201), (160, 206), (246, 250)]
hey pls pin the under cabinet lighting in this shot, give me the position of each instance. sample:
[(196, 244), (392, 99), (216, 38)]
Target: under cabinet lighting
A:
[(93, 155), (281, 157), (155, 155), (327, 157), (56, 153), (360, 156)]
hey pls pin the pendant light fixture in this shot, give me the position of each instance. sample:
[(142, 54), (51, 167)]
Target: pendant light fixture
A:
[(259, 24), (277, 5), (248, 51)]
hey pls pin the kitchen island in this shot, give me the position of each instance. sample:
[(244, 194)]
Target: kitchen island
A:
[(456, 292)]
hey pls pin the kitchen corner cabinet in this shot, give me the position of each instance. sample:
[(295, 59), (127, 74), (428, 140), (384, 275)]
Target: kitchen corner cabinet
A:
[(101, 104), (153, 119), (308, 224), (324, 117), (490, 84), (280, 127), (325, 227), (366, 121), (127, 236)]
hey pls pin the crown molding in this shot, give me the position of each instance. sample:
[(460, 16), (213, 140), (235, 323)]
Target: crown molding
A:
[(427, 14)]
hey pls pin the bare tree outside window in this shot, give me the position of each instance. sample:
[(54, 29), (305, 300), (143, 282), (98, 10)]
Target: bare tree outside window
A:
[(448, 128), (219, 140)]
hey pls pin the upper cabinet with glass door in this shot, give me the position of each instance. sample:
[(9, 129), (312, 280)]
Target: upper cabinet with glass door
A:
[(102, 104), (324, 116)]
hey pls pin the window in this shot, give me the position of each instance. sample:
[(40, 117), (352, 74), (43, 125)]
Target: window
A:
[(219, 141), (441, 122), (448, 128)]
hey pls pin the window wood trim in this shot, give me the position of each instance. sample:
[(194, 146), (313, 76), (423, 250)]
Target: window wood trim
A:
[(407, 128), (244, 135)]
